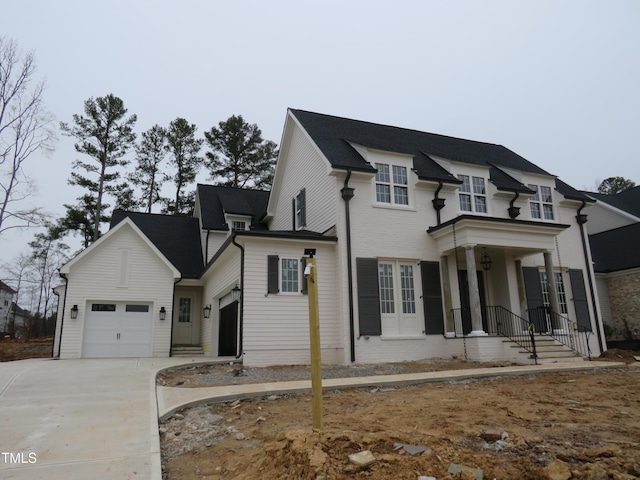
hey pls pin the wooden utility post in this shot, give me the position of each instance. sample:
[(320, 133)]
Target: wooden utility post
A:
[(311, 272)]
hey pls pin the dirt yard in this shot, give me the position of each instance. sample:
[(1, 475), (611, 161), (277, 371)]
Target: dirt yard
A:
[(555, 426), (20, 349)]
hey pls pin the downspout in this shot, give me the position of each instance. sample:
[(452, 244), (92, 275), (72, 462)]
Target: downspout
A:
[(64, 304), (582, 219), (173, 299), (347, 194), (206, 248), (438, 203), (514, 211), (241, 320)]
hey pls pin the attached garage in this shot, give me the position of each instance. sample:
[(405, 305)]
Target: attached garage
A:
[(117, 329)]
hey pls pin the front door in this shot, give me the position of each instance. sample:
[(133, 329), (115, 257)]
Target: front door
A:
[(184, 322), (466, 304)]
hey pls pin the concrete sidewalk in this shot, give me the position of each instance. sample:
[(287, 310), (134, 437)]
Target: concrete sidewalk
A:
[(171, 399)]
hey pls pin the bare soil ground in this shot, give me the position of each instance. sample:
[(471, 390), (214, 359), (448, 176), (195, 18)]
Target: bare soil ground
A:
[(581, 426), (21, 349)]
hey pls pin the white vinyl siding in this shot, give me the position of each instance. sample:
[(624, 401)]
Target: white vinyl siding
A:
[(276, 327), (150, 281), (304, 168)]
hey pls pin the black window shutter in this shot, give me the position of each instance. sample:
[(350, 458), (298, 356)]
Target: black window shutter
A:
[(580, 299), (273, 263), (303, 264), (293, 214), (303, 207), (535, 302), (370, 322), (432, 298)]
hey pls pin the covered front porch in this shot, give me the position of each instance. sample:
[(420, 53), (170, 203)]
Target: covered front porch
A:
[(485, 287)]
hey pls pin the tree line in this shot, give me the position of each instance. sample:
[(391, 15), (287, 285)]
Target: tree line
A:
[(236, 155)]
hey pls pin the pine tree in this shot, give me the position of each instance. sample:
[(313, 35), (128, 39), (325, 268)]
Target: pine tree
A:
[(184, 148), (150, 153), (105, 135), (239, 156)]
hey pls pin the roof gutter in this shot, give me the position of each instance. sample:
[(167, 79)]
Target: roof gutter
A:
[(581, 218), (241, 313), (347, 194)]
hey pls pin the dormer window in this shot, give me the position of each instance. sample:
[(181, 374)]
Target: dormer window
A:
[(392, 184), (541, 203), (238, 226), (472, 194)]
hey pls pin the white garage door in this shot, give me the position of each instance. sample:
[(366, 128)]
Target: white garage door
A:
[(117, 329)]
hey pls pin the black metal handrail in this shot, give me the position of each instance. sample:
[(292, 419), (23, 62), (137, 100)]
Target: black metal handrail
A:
[(561, 329), (498, 320)]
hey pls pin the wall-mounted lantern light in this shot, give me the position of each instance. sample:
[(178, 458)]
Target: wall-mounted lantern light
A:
[(235, 294), (163, 313), (74, 312), (207, 311), (485, 261)]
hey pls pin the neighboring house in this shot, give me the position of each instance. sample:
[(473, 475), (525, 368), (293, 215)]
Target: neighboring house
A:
[(6, 300), (398, 220), (614, 232), (12, 317)]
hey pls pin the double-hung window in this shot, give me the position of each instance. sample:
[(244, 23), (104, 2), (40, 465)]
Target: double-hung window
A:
[(392, 184), (300, 210), (472, 194), (541, 203), (289, 275), (396, 282)]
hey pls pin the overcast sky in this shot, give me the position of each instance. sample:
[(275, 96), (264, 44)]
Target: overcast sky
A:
[(558, 82)]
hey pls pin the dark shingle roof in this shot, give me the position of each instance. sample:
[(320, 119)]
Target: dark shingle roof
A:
[(614, 250), (503, 181), (216, 200), (178, 238), (569, 192), (333, 134), (627, 201)]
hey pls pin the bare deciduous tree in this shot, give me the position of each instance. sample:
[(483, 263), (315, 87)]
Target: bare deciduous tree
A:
[(25, 128)]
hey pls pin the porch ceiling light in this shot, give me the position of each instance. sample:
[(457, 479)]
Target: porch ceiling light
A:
[(74, 312), (163, 313), (207, 311), (485, 260)]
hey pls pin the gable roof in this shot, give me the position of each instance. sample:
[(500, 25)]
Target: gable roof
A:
[(627, 201), (612, 251), (333, 136), (5, 287), (176, 237), (216, 201)]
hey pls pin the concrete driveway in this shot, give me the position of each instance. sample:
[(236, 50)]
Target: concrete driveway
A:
[(80, 419)]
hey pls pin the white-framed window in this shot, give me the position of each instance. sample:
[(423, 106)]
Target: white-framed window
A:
[(238, 226), (541, 203), (300, 209), (562, 294), (472, 194), (289, 275), (396, 281), (392, 184)]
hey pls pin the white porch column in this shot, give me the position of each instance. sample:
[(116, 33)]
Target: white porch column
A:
[(551, 284), (474, 293)]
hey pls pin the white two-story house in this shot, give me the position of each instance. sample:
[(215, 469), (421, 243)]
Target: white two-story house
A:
[(427, 246)]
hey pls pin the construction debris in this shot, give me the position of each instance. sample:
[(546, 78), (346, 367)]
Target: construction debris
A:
[(362, 459)]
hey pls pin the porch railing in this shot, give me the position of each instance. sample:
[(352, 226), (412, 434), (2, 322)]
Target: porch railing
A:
[(497, 320), (561, 329)]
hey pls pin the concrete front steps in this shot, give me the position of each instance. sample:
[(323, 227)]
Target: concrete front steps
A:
[(187, 351), (550, 351)]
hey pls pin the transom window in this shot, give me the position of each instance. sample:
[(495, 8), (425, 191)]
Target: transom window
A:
[(392, 184), (472, 194), (541, 203), (398, 298), (289, 275)]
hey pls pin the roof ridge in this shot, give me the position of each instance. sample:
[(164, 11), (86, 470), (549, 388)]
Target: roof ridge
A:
[(398, 128)]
